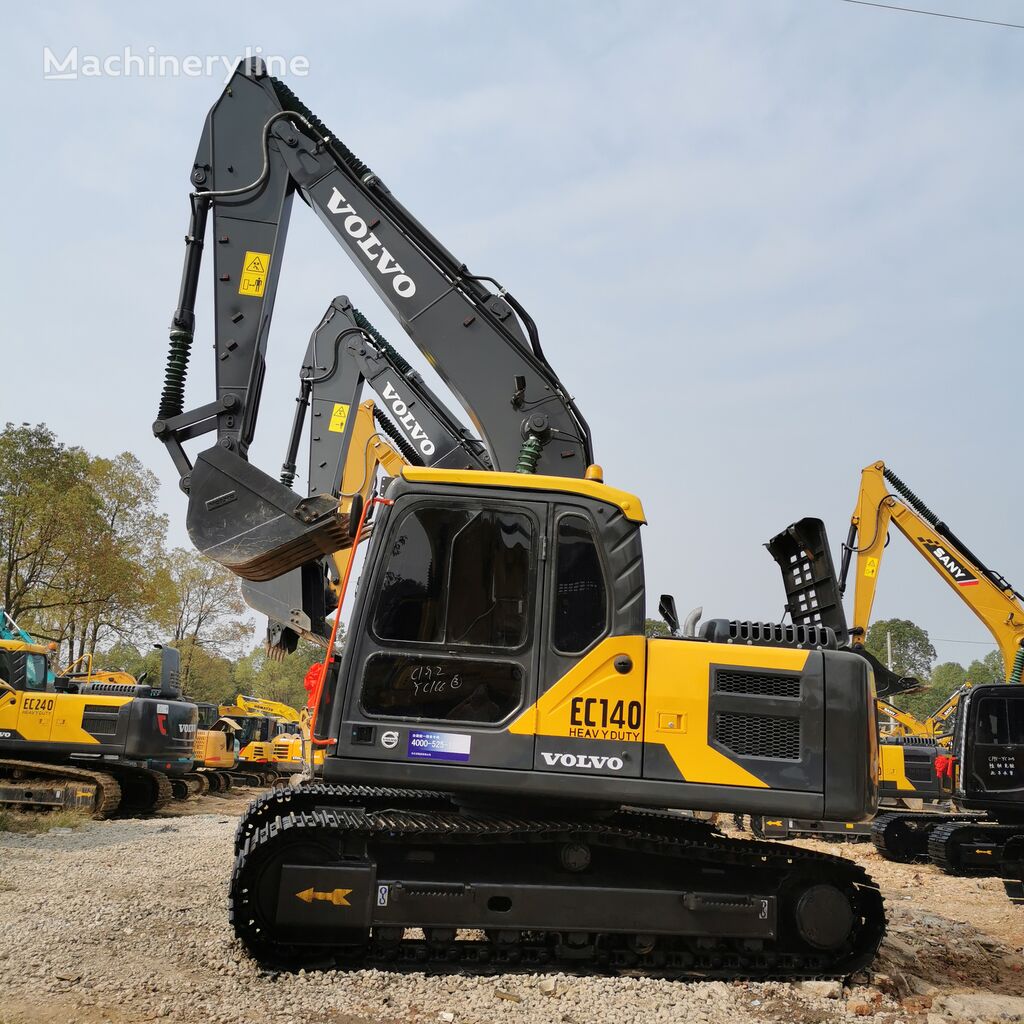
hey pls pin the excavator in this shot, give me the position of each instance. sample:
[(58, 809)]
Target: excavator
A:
[(94, 742), (216, 750), (290, 732), (505, 750), (972, 745)]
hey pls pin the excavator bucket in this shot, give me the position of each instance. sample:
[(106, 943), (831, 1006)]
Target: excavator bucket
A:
[(809, 577), (254, 525)]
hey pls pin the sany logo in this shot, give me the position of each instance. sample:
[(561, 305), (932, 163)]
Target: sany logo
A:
[(406, 418), (960, 575), (382, 261), (582, 761)]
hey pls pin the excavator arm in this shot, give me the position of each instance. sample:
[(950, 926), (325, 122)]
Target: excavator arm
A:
[(884, 500), (292, 607), (260, 146)]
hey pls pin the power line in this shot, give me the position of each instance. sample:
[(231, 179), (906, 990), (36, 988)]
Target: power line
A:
[(947, 640), (932, 14)]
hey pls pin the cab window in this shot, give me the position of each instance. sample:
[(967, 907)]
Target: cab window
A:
[(399, 685), (35, 672), (1000, 721), (581, 602), (457, 576)]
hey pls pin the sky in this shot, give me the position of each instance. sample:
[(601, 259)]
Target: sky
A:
[(766, 242)]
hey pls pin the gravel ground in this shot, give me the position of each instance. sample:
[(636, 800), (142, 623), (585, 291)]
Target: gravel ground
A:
[(126, 921)]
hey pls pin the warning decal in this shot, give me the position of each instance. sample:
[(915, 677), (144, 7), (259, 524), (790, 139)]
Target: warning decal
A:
[(871, 568), (253, 279), (338, 418)]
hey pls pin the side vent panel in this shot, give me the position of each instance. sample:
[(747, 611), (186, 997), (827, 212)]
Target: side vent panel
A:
[(756, 685), (759, 735)]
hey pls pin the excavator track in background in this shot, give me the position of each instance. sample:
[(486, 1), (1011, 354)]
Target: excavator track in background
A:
[(710, 907), (143, 791), (903, 837), (35, 786), (971, 846)]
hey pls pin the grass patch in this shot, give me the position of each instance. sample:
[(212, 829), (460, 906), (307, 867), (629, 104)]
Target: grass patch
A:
[(35, 822)]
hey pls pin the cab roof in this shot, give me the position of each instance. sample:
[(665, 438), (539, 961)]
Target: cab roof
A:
[(628, 504)]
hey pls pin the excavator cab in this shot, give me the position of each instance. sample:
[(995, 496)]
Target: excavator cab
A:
[(989, 746), (498, 645)]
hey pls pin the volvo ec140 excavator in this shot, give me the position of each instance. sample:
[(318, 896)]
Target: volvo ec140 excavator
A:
[(504, 747)]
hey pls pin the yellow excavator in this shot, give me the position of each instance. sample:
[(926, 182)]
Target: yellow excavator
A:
[(505, 749), (976, 752), (964, 755), (102, 742)]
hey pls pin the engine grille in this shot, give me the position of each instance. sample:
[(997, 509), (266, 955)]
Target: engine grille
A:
[(757, 685), (759, 735), (100, 725)]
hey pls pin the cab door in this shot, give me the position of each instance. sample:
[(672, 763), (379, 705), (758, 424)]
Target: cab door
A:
[(444, 655), (589, 716)]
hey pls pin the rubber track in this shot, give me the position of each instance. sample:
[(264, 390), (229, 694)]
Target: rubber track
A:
[(943, 842), (266, 807), (107, 788), (693, 844)]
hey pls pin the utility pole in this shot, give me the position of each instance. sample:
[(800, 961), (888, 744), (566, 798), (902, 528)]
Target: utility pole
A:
[(888, 647)]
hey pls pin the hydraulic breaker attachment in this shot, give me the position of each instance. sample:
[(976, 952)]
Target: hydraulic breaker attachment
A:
[(254, 525), (809, 577)]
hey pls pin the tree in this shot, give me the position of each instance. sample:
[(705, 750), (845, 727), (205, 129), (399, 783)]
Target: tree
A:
[(989, 669), (207, 613), (115, 582), (211, 677), (655, 627), (912, 651), (45, 505), (81, 542), (945, 679), (281, 680)]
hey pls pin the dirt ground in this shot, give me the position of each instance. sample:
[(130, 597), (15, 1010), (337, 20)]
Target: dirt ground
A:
[(126, 921)]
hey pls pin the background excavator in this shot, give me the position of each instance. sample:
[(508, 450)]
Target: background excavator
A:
[(103, 743), (504, 747), (972, 746)]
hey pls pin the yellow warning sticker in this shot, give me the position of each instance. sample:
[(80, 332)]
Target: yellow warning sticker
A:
[(339, 418), (254, 274), (871, 568)]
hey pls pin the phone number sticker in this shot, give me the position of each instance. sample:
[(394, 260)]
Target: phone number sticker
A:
[(439, 746)]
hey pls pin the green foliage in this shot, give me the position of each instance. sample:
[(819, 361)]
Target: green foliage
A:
[(211, 677), (207, 621), (989, 669), (259, 676), (81, 543), (912, 651), (83, 562), (945, 678), (655, 627)]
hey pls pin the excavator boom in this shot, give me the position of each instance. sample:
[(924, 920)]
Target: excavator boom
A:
[(259, 147)]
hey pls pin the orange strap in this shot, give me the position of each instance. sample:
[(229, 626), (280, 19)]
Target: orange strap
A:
[(334, 629)]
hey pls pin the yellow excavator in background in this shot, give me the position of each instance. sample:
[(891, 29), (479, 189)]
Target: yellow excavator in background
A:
[(885, 500), (964, 755), (102, 742)]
